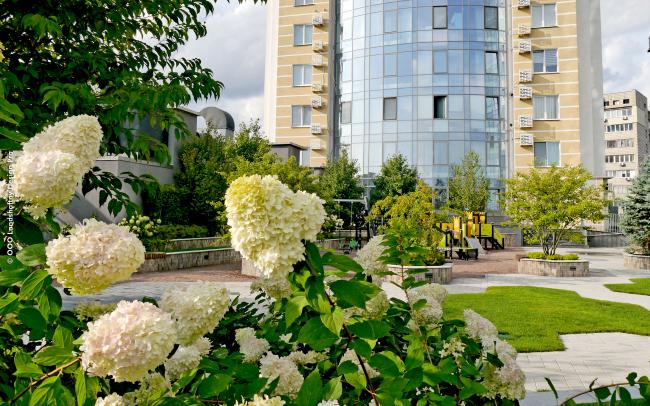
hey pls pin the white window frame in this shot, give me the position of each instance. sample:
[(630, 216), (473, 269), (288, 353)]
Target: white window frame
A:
[(304, 34), (557, 108), (304, 80), (544, 60), (303, 108), (546, 164), (544, 23)]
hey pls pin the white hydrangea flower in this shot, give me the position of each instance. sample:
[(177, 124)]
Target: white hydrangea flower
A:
[(495, 344), (46, 179), (290, 380), (304, 358), (376, 308), (275, 286), (328, 403), (431, 313), (262, 401), (94, 256), (80, 136), (92, 310), (249, 345), (128, 342), (453, 347), (507, 381), (350, 355), (196, 307), (268, 222), (186, 358), (111, 400), (4, 190), (368, 258), (477, 326)]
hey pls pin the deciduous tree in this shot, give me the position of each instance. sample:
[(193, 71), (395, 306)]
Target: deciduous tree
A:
[(468, 186)]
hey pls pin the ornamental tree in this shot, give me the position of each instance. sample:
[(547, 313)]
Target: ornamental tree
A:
[(396, 178), (468, 186), (636, 210), (553, 203), (340, 179)]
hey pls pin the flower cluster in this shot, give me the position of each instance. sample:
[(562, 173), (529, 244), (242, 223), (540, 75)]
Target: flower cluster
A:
[(275, 286), (92, 310), (268, 222), (434, 296), (196, 308), (142, 226), (249, 345), (151, 385), (129, 342), (186, 358), (111, 400), (262, 401), (53, 162), (94, 256), (478, 327), (305, 358), (368, 258), (376, 307), (289, 377)]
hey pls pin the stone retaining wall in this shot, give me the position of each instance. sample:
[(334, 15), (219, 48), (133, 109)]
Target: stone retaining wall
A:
[(544, 267), (441, 274), (179, 244), (181, 260), (636, 261)]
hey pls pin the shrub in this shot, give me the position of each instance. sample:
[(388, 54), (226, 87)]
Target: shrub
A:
[(536, 255), (146, 229), (168, 204), (553, 257), (173, 231)]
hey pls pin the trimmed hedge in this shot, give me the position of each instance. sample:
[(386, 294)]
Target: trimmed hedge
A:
[(172, 231), (556, 257)]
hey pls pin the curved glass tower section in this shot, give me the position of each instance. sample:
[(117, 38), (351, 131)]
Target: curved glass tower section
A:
[(424, 78)]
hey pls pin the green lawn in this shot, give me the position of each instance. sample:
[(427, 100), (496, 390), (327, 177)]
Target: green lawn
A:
[(531, 319), (639, 286)]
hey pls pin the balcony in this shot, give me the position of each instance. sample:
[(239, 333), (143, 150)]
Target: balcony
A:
[(525, 121), (525, 92)]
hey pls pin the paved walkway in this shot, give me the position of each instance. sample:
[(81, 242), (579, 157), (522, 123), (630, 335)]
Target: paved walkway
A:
[(606, 356)]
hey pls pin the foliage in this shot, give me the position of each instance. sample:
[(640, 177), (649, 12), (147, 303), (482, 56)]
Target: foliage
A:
[(289, 172), (639, 286), (468, 186), (554, 257), (117, 61), (331, 225), (552, 203), (173, 231), (147, 230), (635, 221), (340, 180), (168, 203), (613, 393), (543, 314), (395, 178)]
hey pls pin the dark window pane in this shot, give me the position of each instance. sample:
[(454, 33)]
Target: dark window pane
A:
[(346, 112), (390, 108), (491, 18), (440, 17), (439, 106)]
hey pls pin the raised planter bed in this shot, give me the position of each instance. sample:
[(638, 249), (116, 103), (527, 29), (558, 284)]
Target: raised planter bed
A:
[(172, 261), (636, 261), (179, 244), (547, 267), (441, 274)]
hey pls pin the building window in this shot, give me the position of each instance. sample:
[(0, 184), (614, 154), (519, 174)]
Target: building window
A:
[(440, 17), (390, 21), (491, 18), (390, 108), (545, 61), (439, 106), (626, 101), (606, 103), (546, 107), (614, 128), (544, 15), (492, 108), (439, 61), (624, 143), (491, 62), (615, 113), (302, 75), (610, 159), (300, 116), (390, 64), (346, 112), (302, 34), (303, 2), (547, 153)]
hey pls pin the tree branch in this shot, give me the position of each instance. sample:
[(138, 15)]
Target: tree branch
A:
[(44, 377)]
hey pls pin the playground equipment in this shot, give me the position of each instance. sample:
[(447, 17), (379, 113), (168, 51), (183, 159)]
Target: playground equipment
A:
[(353, 214), (469, 235)]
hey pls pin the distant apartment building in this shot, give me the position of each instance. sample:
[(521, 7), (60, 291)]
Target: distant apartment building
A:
[(627, 140), (517, 81)]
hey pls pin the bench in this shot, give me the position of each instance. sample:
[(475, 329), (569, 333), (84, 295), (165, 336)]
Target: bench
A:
[(466, 253)]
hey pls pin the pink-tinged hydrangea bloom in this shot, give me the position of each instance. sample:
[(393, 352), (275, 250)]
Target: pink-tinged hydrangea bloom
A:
[(196, 307), (129, 342), (268, 222), (94, 256)]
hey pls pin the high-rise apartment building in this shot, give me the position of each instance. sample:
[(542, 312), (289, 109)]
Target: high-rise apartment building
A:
[(557, 77), (627, 140), (512, 80)]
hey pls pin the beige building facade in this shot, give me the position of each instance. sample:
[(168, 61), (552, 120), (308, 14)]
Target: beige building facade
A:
[(557, 83), (627, 141)]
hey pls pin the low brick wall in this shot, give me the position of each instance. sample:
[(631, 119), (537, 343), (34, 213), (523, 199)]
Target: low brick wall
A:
[(636, 261), (179, 244), (544, 267), (441, 274), (330, 244), (181, 260)]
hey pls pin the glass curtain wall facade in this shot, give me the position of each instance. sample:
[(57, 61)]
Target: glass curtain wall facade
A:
[(424, 78)]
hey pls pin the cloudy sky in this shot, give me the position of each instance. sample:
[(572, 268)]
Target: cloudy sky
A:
[(234, 50)]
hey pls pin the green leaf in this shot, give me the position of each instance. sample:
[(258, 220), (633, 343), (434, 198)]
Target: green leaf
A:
[(25, 367), (32, 255), (63, 338), (386, 366), (601, 393), (347, 367), (312, 256), (214, 385), (49, 303), (353, 293), (414, 354), (341, 262), (9, 278), (9, 145), (8, 302), (53, 355), (311, 390), (470, 388), (631, 378), (9, 263), (333, 321), (624, 394), (13, 135), (362, 347), (33, 284), (27, 232), (550, 385), (33, 319), (293, 309), (315, 334), (333, 389), (80, 389), (372, 329)]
